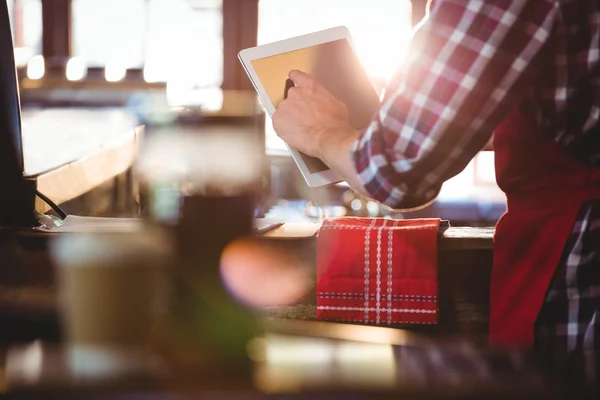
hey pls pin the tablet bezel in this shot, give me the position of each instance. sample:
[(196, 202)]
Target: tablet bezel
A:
[(246, 57)]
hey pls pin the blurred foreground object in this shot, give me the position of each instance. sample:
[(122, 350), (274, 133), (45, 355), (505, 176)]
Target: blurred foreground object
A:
[(179, 163), (111, 289), (262, 274), (203, 188), (312, 357), (316, 359)]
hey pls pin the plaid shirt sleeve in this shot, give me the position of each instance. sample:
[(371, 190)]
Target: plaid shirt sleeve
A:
[(467, 67)]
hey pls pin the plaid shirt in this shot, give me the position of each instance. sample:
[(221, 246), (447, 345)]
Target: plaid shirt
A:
[(567, 330), (469, 64)]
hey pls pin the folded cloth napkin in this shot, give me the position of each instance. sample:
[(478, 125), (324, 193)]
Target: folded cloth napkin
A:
[(378, 271)]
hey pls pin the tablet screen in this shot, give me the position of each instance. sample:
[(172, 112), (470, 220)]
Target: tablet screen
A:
[(336, 67)]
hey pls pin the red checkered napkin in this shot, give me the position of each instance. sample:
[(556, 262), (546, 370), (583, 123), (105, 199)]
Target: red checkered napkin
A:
[(378, 271)]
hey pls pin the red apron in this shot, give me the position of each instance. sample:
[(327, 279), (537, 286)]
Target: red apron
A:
[(544, 189)]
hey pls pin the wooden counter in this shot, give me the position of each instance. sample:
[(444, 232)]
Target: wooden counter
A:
[(72, 151), (465, 264), (466, 238), (465, 260)]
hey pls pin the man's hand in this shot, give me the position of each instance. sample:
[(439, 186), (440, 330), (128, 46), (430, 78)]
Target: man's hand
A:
[(314, 122), (311, 120)]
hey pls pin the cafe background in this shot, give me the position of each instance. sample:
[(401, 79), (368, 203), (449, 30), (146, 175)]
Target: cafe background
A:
[(179, 58), (97, 79)]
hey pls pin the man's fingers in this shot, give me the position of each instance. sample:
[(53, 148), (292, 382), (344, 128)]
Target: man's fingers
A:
[(276, 120), (301, 78), (281, 110), (292, 93), (283, 103)]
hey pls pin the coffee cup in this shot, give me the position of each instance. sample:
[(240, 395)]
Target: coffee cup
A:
[(111, 288)]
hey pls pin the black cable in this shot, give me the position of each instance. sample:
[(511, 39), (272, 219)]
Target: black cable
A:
[(52, 205)]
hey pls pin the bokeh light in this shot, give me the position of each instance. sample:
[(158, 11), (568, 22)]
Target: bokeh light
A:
[(260, 275)]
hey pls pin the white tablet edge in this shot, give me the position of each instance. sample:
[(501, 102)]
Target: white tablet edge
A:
[(246, 57)]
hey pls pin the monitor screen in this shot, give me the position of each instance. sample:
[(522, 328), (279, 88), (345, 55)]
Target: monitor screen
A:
[(336, 66), (16, 203)]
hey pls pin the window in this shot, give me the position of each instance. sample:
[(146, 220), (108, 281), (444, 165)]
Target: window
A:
[(185, 42), (485, 169), (175, 41), (109, 33), (185, 48), (380, 29), (26, 24)]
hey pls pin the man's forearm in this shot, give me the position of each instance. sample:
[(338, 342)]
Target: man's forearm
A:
[(337, 157)]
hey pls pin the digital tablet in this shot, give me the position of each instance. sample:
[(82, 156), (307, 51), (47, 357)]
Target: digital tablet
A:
[(328, 56)]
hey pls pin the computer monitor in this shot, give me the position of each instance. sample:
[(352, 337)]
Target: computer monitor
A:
[(17, 196)]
